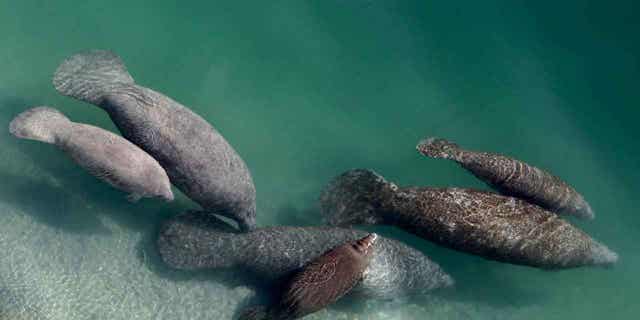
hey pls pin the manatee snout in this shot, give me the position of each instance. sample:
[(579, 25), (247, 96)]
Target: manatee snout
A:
[(167, 196), (247, 221)]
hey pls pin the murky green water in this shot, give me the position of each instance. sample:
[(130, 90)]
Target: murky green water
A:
[(305, 90)]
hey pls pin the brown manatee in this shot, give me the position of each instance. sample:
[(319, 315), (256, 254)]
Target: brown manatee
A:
[(197, 158), (319, 283), (199, 241), (512, 177), (105, 155), (487, 224)]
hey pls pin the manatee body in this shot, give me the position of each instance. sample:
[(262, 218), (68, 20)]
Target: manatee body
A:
[(105, 155), (198, 160), (320, 282), (512, 177), (198, 241), (490, 225)]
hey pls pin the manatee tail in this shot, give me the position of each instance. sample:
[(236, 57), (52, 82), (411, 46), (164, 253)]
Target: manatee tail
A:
[(438, 148), (256, 313), (197, 240), (40, 123), (88, 76), (350, 198)]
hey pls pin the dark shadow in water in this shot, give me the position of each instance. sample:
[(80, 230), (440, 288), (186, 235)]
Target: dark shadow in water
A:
[(48, 204)]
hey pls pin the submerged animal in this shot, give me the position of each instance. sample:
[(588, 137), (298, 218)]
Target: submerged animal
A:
[(199, 241), (512, 177), (198, 160), (490, 225), (105, 155), (319, 283)]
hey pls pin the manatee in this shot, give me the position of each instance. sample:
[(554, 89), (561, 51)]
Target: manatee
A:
[(320, 282), (512, 177), (103, 154), (486, 224), (199, 241), (198, 160)]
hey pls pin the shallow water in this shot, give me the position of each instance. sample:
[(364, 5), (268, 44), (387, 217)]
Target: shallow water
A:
[(305, 91)]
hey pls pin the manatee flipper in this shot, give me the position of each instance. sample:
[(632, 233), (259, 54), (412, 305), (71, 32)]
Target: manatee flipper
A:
[(222, 212), (89, 76), (255, 313), (438, 148), (40, 123), (133, 197)]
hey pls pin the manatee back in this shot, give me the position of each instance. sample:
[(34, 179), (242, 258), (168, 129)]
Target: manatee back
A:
[(116, 161), (496, 227), (184, 143)]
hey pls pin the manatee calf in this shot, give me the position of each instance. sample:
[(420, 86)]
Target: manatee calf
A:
[(197, 158), (197, 241), (320, 282), (490, 225), (512, 177), (105, 155)]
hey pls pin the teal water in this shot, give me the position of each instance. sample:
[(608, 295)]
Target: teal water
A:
[(305, 90)]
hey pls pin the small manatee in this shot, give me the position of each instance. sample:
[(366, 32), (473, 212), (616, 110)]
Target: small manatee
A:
[(321, 282), (105, 155), (512, 177)]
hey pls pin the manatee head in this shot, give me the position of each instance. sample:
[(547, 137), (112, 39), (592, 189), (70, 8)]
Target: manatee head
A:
[(246, 218), (364, 247), (160, 184)]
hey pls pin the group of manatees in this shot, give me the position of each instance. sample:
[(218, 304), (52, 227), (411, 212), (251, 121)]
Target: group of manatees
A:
[(166, 143), (514, 227)]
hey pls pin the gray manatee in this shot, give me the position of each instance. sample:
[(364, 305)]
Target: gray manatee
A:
[(199, 241), (198, 160), (512, 177), (105, 155), (487, 224)]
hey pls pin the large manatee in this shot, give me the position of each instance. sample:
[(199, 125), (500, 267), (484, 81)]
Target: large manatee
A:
[(199, 161), (487, 224)]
